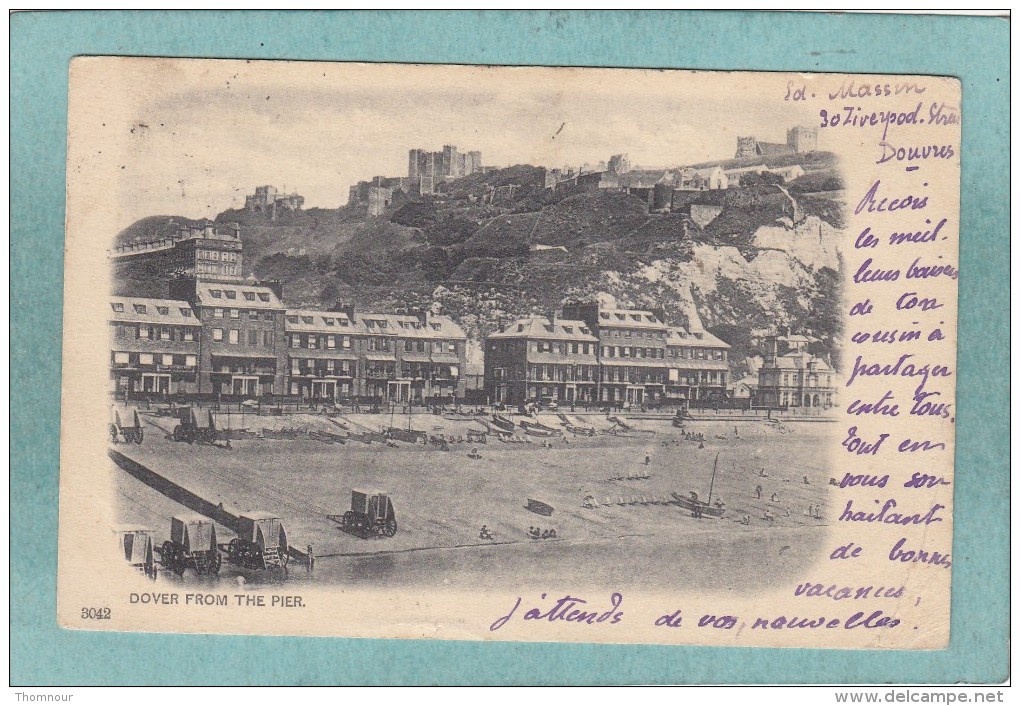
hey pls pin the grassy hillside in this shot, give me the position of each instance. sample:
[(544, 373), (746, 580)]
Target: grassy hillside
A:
[(476, 257)]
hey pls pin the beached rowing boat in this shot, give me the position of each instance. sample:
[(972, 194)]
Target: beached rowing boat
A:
[(540, 507), (700, 508), (502, 422)]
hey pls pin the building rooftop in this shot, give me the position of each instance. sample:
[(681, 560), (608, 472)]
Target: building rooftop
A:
[(321, 322), (411, 326), (683, 337), (800, 361), (774, 148), (629, 318), (750, 381), (153, 311), (370, 323), (241, 296), (540, 327)]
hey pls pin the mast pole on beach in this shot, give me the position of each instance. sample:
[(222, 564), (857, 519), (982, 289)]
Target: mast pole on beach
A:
[(711, 485)]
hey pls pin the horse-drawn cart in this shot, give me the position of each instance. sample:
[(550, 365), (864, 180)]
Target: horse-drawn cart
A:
[(192, 545), (127, 426), (371, 515), (261, 542), (135, 545), (190, 427)]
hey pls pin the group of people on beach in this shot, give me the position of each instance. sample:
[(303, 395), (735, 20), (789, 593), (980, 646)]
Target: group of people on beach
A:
[(813, 511), (538, 533)]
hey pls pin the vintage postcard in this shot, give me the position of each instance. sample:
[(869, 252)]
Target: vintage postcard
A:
[(509, 353)]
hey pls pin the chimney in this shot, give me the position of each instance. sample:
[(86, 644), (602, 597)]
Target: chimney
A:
[(348, 309), (276, 286)]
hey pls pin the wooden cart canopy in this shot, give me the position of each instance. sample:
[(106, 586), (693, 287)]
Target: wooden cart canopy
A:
[(250, 525), (132, 529), (196, 533)]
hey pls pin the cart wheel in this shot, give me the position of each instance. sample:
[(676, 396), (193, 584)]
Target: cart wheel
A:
[(113, 433), (390, 528), (234, 550), (284, 557), (169, 553), (215, 562), (348, 519), (138, 435)]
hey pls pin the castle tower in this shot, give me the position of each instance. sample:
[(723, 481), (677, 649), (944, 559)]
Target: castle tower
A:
[(802, 139), (746, 147)]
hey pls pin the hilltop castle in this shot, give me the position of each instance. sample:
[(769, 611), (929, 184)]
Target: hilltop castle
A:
[(798, 140)]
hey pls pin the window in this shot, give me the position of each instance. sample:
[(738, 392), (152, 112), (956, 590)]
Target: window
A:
[(329, 366), (249, 296), (218, 313), (329, 321), (217, 334), (295, 366), (121, 358), (330, 341), (235, 313), (267, 316), (295, 341), (164, 333), (408, 346), (307, 319), (163, 310), (216, 293), (139, 308), (191, 360), (253, 338), (369, 323), (313, 341), (145, 358), (267, 339), (234, 333), (168, 359), (231, 294), (185, 312), (436, 327), (345, 341), (420, 345), (451, 348), (117, 306), (292, 319), (144, 331)]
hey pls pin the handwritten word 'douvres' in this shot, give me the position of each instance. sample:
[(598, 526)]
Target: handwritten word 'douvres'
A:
[(566, 610)]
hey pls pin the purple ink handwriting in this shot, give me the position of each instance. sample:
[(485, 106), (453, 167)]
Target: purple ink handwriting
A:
[(568, 609)]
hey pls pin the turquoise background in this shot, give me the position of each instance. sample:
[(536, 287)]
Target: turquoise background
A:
[(974, 49)]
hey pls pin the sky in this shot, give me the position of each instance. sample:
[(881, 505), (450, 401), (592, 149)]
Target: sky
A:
[(192, 137)]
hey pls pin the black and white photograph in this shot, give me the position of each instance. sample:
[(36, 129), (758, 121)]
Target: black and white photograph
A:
[(509, 353)]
